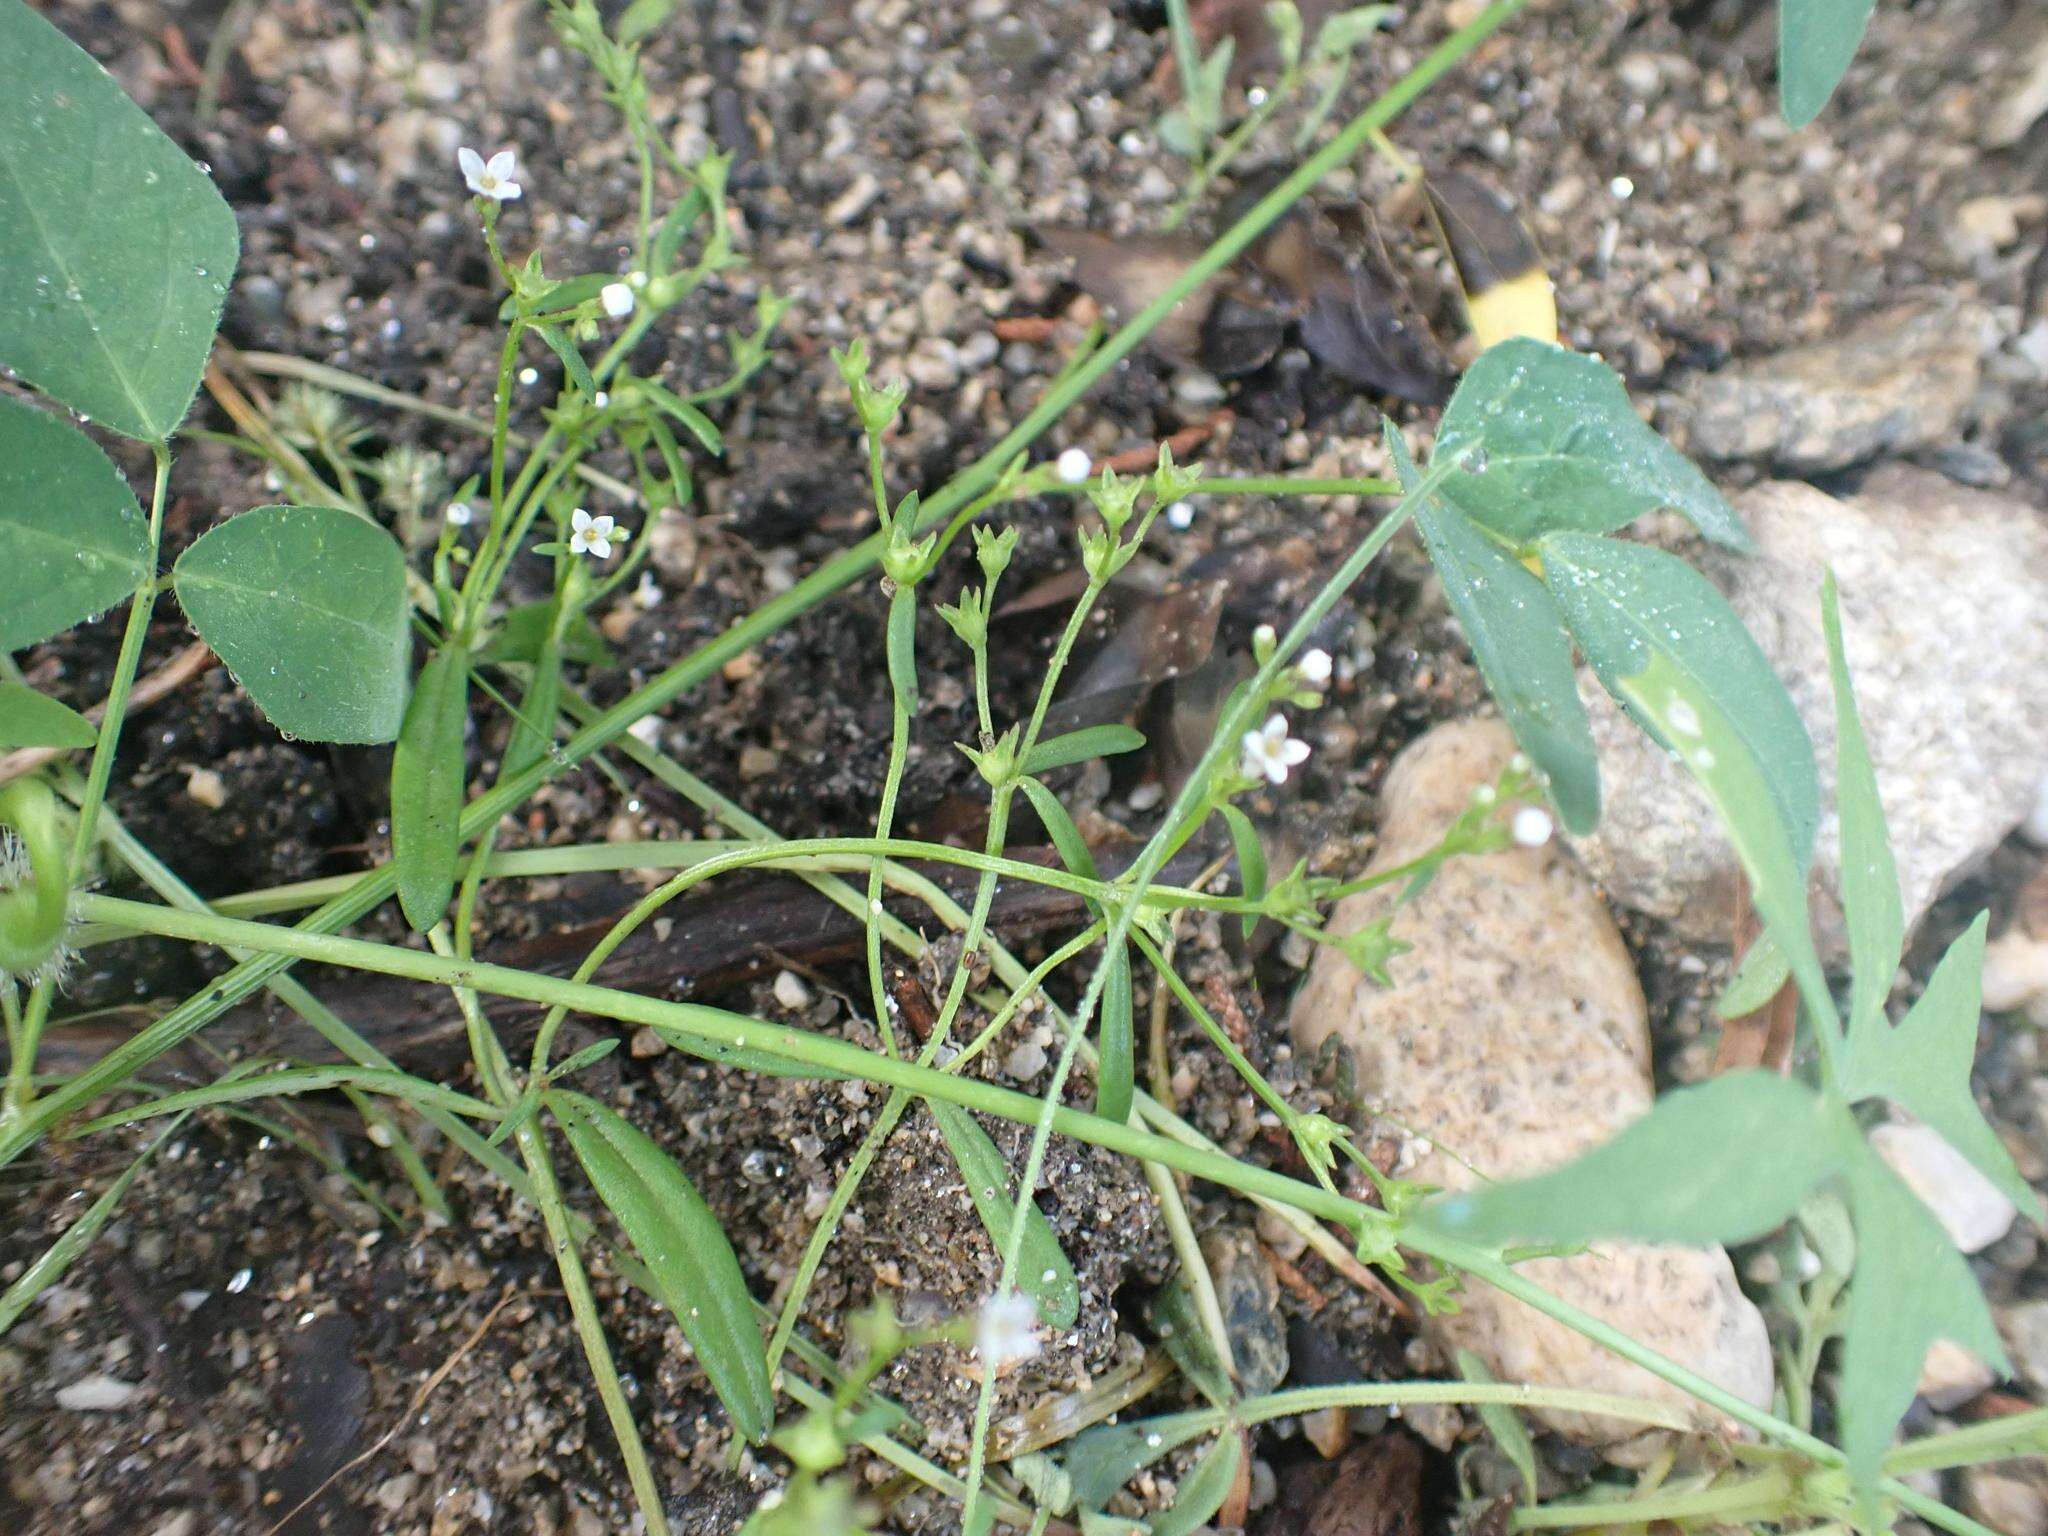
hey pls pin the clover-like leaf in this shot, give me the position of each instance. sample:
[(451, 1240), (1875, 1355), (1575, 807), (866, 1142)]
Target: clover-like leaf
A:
[(72, 540), (1557, 446), (307, 606), (115, 249)]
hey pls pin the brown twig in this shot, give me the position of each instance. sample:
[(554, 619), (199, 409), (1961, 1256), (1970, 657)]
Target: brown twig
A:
[(1184, 442), (419, 1401), (1295, 1281), (173, 674)]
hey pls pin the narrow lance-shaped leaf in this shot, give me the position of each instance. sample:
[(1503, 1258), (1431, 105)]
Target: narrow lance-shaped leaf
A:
[(1871, 904), (307, 606), (1625, 602), (1562, 448), (1099, 1461), (1516, 631), (115, 249), (1910, 1288), (1080, 746), (30, 719), (1204, 1489), (1043, 1271), (572, 359), (427, 778), (1720, 761), (1115, 1064), (696, 1275), (1251, 860), (72, 540), (1722, 1162), (1924, 1065), (1816, 41)]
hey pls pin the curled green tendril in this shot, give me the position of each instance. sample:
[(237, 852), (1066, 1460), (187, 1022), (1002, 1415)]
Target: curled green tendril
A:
[(32, 913)]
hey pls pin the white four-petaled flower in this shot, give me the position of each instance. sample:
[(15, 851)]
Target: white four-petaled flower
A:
[(617, 299), (594, 535), (1532, 826), (1270, 752), (493, 178), (1314, 667), (1006, 1330)]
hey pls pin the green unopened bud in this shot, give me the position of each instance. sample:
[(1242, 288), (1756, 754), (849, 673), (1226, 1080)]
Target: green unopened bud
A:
[(966, 619), (992, 551), (905, 563), (1114, 497), (1371, 948), (35, 879), (997, 763), (1100, 554)]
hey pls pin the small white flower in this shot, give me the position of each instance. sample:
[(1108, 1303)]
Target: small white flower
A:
[(1270, 752), (1073, 465), (1314, 667), (1532, 826), (617, 299), (493, 178), (594, 535), (1006, 1330), (1264, 638), (529, 376), (1180, 515), (459, 513)]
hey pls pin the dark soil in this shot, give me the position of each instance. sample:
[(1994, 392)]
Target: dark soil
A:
[(274, 1321)]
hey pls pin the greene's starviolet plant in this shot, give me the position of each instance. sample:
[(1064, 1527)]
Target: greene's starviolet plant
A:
[(317, 609)]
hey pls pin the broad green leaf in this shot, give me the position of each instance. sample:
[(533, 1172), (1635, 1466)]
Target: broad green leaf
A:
[(1870, 878), (307, 606), (1204, 1489), (1067, 840), (1816, 41), (1509, 1433), (1924, 1065), (1079, 746), (427, 779), (695, 1272), (29, 719), (1556, 445), (1761, 976), (1251, 860), (72, 540), (1718, 1163), (115, 249), (1626, 602), (1911, 1287), (1719, 759), (1099, 1461), (1043, 1272), (1516, 631), (1115, 1063)]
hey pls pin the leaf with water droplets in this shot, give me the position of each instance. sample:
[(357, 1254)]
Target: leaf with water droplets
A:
[(1625, 601), (72, 540), (1043, 1271), (115, 249), (1516, 631), (1562, 448), (307, 607)]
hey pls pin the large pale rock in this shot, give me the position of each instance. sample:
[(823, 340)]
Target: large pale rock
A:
[(1900, 380), (1513, 1039), (1945, 618)]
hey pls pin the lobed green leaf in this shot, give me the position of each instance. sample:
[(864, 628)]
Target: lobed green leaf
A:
[(1555, 445)]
